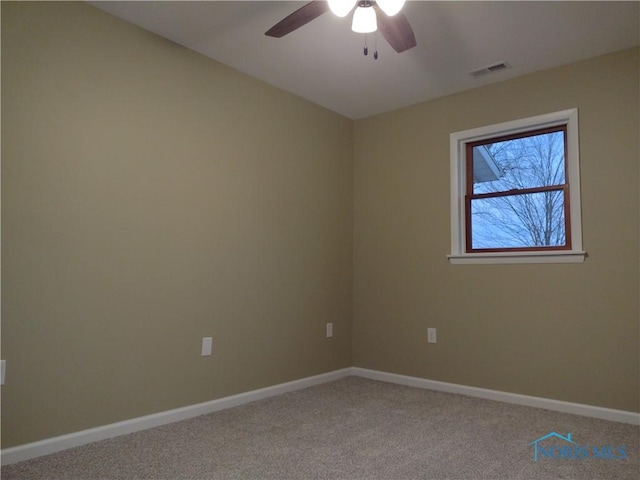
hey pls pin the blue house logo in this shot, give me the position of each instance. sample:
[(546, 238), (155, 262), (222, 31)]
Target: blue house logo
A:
[(536, 447), (565, 448)]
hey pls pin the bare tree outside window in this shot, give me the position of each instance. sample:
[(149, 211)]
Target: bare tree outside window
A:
[(517, 192)]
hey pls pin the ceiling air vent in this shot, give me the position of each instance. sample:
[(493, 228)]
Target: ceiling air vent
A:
[(496, 67)]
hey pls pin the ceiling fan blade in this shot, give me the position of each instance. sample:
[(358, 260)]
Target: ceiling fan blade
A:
[(297, 19), (396, 30)]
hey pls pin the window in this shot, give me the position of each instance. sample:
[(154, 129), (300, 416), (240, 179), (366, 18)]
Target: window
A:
[(515, 192)]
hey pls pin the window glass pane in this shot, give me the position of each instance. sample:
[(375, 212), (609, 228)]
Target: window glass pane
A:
[(525, 162), (517, 221)]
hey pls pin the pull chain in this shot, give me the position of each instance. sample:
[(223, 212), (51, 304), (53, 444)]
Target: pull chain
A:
[(365, 51), (375, 45)]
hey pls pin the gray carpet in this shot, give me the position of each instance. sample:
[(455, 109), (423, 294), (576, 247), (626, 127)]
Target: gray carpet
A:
[(352, 428)]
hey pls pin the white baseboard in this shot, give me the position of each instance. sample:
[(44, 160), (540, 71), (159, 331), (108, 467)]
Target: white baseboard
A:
[(76, 439), (620, 416), (57, 444)]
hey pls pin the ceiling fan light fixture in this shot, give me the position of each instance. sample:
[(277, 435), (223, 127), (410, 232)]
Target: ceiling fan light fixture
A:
[(341, 8), (364, 20), (390, 7)]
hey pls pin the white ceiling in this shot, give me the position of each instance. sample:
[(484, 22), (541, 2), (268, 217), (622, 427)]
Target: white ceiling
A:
[(323, 60)]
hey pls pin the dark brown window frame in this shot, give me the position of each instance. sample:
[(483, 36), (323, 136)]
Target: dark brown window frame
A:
[(470, 196)]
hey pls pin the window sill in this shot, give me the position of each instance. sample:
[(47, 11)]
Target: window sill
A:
[(517, 257)]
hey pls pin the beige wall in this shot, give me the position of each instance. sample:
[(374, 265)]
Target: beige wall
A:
[(150, 197), (567, 332)]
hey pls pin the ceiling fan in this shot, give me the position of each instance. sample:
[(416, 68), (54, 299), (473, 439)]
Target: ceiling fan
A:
[(369, 16)]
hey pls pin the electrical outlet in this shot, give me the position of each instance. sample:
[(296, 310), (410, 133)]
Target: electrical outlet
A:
[(329, 330), (431, 335), (207, 346)]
